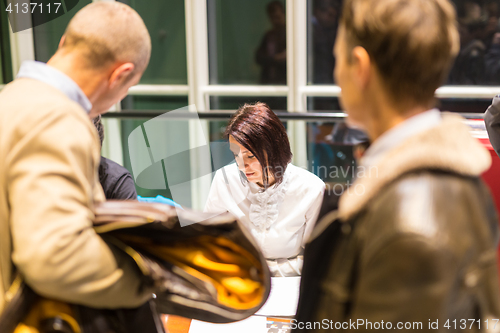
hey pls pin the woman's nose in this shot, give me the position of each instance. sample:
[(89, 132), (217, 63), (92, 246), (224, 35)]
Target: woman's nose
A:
[(242, 161)]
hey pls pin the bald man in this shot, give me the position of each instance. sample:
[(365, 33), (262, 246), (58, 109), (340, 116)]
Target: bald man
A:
[(49, 153)]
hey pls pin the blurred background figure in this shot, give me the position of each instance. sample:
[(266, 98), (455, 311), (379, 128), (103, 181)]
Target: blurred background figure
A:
[(323, 27), (492, 59), (324, 31), (271, 54), (346, 135), (477, 61), (469, 64)]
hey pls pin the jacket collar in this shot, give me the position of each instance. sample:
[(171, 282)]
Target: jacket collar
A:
[(47, 74), (447, 147), (393, 137)]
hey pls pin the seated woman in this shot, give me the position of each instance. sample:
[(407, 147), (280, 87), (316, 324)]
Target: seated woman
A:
[(278, 201)]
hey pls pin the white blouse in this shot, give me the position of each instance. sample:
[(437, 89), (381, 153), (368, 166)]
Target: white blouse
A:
[(280, 218)]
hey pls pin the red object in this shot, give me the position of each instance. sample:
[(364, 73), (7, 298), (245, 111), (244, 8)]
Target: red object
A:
[(492, 178)]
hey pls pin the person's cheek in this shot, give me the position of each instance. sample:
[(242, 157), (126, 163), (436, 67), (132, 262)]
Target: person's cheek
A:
[(241, 163), (257, 168)]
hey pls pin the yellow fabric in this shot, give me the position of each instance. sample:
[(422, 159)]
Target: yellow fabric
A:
[(46, 309), (25, 329), (48, 184), (222, 263)]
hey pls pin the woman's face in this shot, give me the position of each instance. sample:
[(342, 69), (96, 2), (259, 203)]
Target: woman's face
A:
[(247, 162)]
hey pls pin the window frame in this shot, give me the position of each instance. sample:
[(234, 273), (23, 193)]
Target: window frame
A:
[(199, 90)]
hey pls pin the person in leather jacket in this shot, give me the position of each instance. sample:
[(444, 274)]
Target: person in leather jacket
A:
[(412, 246), (492, 122)]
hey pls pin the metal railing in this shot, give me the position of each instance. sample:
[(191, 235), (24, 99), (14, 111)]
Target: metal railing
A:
[(217, 115)]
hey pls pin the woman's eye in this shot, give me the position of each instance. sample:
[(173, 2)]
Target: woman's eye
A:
[(251, 156)]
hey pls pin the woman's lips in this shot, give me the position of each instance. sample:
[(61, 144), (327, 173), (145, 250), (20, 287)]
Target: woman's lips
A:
[(249, 174)]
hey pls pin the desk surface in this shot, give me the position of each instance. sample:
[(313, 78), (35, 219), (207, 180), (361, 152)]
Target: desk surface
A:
[(175, 324), (277, 311)]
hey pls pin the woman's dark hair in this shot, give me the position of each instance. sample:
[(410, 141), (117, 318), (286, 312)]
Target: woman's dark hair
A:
[(257, 128)]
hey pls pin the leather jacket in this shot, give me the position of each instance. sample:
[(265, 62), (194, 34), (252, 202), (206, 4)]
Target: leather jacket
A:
[(492, 122), (415, 252)]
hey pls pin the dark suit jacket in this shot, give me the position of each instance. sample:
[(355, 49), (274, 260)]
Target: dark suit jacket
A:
[(116, 181)]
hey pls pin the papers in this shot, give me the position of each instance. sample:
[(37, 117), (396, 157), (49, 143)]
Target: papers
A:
[(252, 324), (282, 302), (283, 299)]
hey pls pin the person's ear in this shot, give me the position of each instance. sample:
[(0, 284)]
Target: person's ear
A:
[(362, 66), (121, 74), (61, 42)]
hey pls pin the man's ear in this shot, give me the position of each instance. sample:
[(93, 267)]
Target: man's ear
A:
[(121, 74), (61, 42), (362, 63)]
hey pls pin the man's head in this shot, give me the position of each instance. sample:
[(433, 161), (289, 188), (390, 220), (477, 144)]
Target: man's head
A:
[(110, 45), (276, 13), (326, 12), (404, 48)]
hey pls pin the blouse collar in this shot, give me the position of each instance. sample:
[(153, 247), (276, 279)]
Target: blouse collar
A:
[(265, 204)]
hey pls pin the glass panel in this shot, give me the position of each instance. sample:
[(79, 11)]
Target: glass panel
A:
[(234, 102), (178, 129), (247, 42), (127, 127), (47, 36), (478, 62), (166, 23), (217, 129), (463, 105), (166, 103), (168, 140), (331, 104), (323, 16), (332, 152), (5, 58)]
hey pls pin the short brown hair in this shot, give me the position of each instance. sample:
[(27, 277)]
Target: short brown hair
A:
[(257, 128), (412, 43), (109, 32)]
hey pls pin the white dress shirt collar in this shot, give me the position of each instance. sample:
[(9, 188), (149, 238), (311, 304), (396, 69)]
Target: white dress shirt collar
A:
[(398, 134), (42, 72)]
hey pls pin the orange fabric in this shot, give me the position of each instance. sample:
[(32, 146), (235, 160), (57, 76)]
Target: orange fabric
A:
[(46, 309), (222, 263)]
